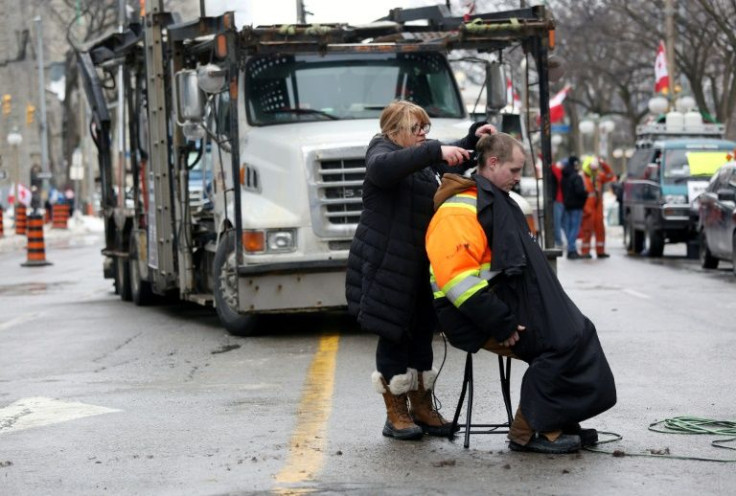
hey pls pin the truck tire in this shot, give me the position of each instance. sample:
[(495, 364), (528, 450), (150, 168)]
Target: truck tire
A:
[(122, 278), (226, 290), (733, 253), (655, 241), (140, 290)]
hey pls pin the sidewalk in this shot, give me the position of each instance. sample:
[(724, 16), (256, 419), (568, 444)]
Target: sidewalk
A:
[(78, 225)]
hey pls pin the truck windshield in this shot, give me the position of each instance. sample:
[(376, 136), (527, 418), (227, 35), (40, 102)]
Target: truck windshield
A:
[(681, 164), (286, 88)]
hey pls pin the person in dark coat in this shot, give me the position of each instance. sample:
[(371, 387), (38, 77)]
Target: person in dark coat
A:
[(495, 289), (386, 284), (574, 197)]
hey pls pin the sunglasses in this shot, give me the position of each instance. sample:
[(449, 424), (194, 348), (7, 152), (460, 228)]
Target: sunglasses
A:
[(416, 129)]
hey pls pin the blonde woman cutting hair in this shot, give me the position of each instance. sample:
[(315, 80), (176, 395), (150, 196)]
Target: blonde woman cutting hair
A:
[(387, 285)]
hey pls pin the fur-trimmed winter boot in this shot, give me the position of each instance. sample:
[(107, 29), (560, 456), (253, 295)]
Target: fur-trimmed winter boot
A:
[(399, 423), (422, 407)]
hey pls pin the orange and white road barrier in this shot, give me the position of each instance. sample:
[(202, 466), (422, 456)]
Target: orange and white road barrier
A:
[(36, 247), (59, 216), (21, 221)]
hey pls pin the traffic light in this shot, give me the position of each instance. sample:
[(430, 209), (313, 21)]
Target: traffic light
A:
[(30, 114), (7, 101)]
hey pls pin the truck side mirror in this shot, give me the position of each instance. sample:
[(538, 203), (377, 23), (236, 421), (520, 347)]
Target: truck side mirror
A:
[(495, 87), (190, 101), (189, 96)]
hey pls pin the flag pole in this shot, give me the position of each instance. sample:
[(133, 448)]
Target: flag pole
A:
[(670, 48)]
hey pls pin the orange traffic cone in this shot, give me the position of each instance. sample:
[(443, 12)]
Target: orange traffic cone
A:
[(21, 220), (59, 216), (36, 247)]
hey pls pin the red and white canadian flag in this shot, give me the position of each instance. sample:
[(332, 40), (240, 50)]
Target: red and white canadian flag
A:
[(661, 76), (24, 195), (556, 110)]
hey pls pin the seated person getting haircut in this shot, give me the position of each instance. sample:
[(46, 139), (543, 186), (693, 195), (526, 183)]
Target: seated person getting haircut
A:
[(495, 289)]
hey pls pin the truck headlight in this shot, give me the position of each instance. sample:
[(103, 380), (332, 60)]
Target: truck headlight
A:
[(281, 241), (269, 241), (676, 199)]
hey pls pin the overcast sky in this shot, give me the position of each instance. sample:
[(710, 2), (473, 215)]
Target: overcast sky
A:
[(324, 11)]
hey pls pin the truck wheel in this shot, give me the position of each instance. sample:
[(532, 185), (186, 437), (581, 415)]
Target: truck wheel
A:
[(707, 260), (655, 241), (226, 289), (122, 278), (733, 253), (140, 291)]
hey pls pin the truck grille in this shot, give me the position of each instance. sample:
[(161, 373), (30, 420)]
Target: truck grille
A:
[(342, 190), (338, 191)]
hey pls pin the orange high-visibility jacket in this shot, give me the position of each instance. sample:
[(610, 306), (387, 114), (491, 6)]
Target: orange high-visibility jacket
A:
[(458, 249)]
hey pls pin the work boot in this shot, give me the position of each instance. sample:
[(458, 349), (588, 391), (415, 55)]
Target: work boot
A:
[(602, 255), (422, 410), (523, 438), (588, 437), (399, 424), (540, 443)]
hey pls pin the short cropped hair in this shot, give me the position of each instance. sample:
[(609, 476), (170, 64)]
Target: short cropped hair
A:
[(499, 145), (399, 116)]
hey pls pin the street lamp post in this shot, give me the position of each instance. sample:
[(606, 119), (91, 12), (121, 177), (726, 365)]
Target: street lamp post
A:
[(600, 130), (14, 140)]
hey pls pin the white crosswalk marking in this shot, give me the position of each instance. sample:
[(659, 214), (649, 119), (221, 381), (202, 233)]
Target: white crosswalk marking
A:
[(39, 411)]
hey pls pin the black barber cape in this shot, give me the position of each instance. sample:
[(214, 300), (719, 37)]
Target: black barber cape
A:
[(568, 379)]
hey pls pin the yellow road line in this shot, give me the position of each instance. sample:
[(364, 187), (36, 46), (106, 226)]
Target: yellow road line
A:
[(308, 442)]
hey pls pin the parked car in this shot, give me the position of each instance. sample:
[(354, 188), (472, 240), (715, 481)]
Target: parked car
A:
[(717, 219), (664, 177)]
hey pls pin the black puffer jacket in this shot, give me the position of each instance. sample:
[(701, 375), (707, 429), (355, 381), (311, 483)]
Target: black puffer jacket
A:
[(573, 188), (388, 267)]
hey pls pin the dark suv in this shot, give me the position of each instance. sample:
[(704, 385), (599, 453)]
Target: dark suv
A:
[(717, 224), (663, 180)]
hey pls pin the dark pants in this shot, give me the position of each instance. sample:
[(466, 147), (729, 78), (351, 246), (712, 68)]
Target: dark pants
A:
[(414, 350), (571, 225)]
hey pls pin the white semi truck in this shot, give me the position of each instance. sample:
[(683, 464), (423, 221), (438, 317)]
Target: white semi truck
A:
[(275, 121)]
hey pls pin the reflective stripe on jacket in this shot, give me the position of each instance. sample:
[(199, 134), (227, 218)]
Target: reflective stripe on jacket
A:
[(458, 249)]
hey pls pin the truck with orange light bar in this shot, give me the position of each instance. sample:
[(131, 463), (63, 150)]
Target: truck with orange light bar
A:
[(275, 120)]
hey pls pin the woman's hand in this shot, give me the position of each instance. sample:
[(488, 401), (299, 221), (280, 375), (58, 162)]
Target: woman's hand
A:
[(514, 338), (454, 155), (485, 129)]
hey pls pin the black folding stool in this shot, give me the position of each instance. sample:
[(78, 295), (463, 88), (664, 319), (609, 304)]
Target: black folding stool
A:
[(470, 428)]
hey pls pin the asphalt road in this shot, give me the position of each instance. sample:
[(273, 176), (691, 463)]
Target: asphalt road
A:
[(98, 396)]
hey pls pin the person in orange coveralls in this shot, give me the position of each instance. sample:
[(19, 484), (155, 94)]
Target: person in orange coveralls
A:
[(494, 289), (596, 174)]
